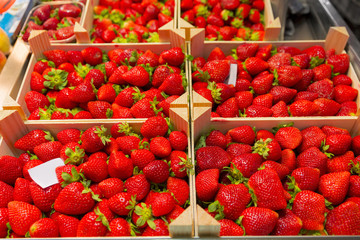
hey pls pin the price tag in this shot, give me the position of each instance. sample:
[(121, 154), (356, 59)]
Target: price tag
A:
[(44, 174)]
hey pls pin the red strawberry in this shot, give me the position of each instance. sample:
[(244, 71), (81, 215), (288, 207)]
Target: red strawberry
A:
[(281, 93), (92, 55), (178, 140), (262, 83), (327, 107), (228, 109), (236, 149), (56, 56), (28, 165), (96, 77), (305, 95), (247, 163), (95, 170), (334, 186), (259, 221), (288, 224), (312, 157), (278, 60), (246, 50), (324, 88), (160, 230), (312, 137), (4, 219), (306, 178), (68, 135), (280, 169), (216, 53), (10, 169), (120, 166), (244, 99), (265, 100), (207, 184), (310, 208), (48, 151), (45, 227), (242, 84), (35, 100), (21, 191), (258, 111), (44, 198), (173, 56), (83, 93), (340, 163), (254, 65), (21, 216), (212, 157), (243, 134), (145, 108), (230, 201), (165, 104), (269, 149), (7, 194), (138, 185), (173, 84), (217, 69), (100, 109), (136, 76), (179, 189), (339, 62), (343, 220), (306, 80), (94, 139), (347, 109), (230, 228), (122, 203), (342, 79), (264, 182), (321, 72), (288, 76), (280, 110), (161, 203), (160, 147), (288, 137), (303, 108), (128, 143), (93, 224), (330, 130), (344, 93), (288, 159), (67, 225), (37, 82), (337, 144), (110, 187), (156, 171)]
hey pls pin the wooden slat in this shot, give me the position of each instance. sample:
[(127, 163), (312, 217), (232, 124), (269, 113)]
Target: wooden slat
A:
[(272, 30), (207, 225), (81, 34), (39, 42), (336, 38)]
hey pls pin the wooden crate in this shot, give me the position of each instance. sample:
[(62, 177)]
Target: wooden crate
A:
[(336, 38), (206, 225), (13, 127), (272, 25), (39, 42), (165, 33)]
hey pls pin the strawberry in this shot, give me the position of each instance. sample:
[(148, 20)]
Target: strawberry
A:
[(37, 82), (174, 84), (94, 139), (122, 203), (93, 224), (28, 165), (178, 140), (288, 224), (74, 79), (179, 189), (180, 165), (35, 100), (243, 134), (48, 151), (7, 194), (108, 92), (340, 63), (117, 75), (258, 111), (265, 100), (129, 96), (288, 76), (280, 110), (312, 137), (21, 191), (330, 130), (342, 79), (56, 56), (100, 109), (159, 75), (244, 99), (269, 149), (156, 171), (324, 88), (138, 185), (160, 147), (4, 219), (10, 169), (207, 184), (343, 220), (160, 230), (344, 93), (306, 178), (334, 186), (128, 143), (312, 157), (246, 50), (305, 81), (110, 187), (218, 71), (280, 169), (228, 109), (254, 65), (162, 203), (301, 60), (120, 166), (288, 137), (230, 228), (136, 76), (95, 170), (278, 60), (327, 107), (165, 104), (337, 144), (68, 135), (67, 225), (92, 55), (44, 198), (310, 208), (83, 93), (321, 72), (305, 95), (258, 221), (242, 84), (216, 53), (354, 190), (212, 157), (230, 201), (21, 216), (142, 157), (262, 83), (281, 93), (264, 182), (340, 163), (96, 77), (236, 149), (75, 199), (247, 163), (119, 227), (288, 159), (347, 109), (173, 56), (45, 227), (303, 108), (145, 108)]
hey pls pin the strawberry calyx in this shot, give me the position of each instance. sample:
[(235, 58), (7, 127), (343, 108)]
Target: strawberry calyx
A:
[(48, 136), (292, 185), (355, 168), (293, 63), (274, 51), (252, 194), (328, 204), (63, 25), (102, 218), (137, 95), (202, 11), (76, 110), (125, 128), (101, 67), (132, 204), (184, 80), (36, 20), (83, 70), (45, 114), (153, 37), (311, 232), (56, 79), (333, 74), (145, 216), (109, 113), (187, 165), (237, 23), (117, 88), (55, 13), (226, 14), (74, 177), (316, 61), (32, 156), (276, 129), (87, 189), (133, 228), (144, 145), (255, 36), (261, 147), (218, 208), (116, 17), (75, 157), (100, 131), (204, 76), (153, 106), (9, 229), (276, 78), (164, 95), (63, 110), (215, 92), (171, 126), (235, 176), (324, 148)]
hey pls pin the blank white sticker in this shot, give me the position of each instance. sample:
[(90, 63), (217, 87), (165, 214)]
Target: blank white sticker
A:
[(44, 174), (232, 75)]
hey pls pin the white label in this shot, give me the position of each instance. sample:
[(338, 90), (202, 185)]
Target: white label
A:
[(44, 174), (232, 75)]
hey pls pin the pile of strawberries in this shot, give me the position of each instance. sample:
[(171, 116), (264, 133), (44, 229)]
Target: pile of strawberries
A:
[(119, 185), (284, 182), (276, 82), (226, 19), (130, 21), (91, 84), (59, 21)]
